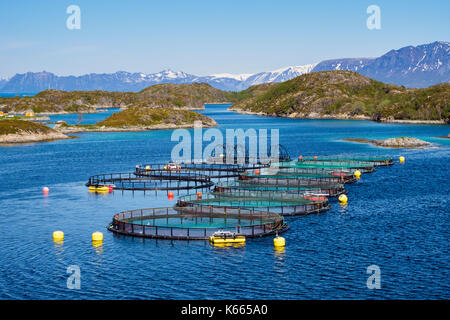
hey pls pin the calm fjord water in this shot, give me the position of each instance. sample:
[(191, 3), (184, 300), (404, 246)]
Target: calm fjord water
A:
[(397, 218)]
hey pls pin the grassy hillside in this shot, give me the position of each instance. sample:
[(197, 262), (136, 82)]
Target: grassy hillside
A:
[(345, 93), (8, 126), (162, 95), (143, 117), (181, 95)]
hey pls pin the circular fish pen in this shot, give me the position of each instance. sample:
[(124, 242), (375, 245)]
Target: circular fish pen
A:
[(364, 167), (336, 175), (288, 178), (195, 223), (376, 160), (284, 207), (174, 181), (212, 170), (332, 190)]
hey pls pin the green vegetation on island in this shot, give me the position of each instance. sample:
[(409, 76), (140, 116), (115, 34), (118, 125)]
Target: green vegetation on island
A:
[(347, 95), (141, 119), (169, 95), (20, 131)]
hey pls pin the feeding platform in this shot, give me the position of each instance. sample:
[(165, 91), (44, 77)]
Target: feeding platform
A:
[(284, 207), (195, 223)]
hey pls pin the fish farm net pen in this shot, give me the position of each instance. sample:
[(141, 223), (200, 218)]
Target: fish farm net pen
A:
[(334, 175), (332, 190), (376, 160), (129, 181), (195, 223), (364, 167), (284, 207), (287, 179)]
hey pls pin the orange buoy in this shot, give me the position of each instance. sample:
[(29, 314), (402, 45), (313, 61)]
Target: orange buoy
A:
[(315, 157), (300, 158), (45, 190), (257, 172), (199, 195)]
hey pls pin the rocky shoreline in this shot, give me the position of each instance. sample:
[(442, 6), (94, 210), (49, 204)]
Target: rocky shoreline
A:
[(29, 137), (318, 116), (400, 142), (66, 129)]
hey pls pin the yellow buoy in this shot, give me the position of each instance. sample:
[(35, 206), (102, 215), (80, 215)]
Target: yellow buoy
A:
[(97, 236), (357, 174), (343, 199), (58, 235), (279, 241), (401, 159)]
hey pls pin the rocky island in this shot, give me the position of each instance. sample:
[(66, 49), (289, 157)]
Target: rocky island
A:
[(346, 95), (168, 95), (142, 119), (400, 142), (20, 131)]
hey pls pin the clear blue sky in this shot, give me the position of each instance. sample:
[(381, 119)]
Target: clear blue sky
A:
[(206, 36)]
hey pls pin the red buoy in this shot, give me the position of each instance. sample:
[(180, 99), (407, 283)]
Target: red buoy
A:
[(257, 172), (170, 195)]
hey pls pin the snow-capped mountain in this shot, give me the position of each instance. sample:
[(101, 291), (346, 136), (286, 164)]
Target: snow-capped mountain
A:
[(126, 81), (419, 66), (279, 75)]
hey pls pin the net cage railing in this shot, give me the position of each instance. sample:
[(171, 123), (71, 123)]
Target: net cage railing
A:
[(364, 167), (215, 170), (129, 181), (376, 160), (284, 207), (295, 178), (331, 190), (256, 194), (238, 153), (335, 175), (190, 222)]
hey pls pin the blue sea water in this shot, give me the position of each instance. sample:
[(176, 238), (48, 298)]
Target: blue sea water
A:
[(397, 218)]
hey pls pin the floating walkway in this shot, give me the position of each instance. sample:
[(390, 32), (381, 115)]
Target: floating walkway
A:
[(195, 223)]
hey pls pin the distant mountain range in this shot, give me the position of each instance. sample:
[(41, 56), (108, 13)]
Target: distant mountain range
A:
[(416, 67), (419, 66)]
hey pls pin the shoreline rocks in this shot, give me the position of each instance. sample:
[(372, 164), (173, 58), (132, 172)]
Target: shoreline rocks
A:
[(400, 142)]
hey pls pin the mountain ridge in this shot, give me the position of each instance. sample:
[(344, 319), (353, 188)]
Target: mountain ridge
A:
[(412, 66)]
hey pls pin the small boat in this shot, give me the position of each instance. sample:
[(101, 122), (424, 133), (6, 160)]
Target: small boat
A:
[(222, 237)]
